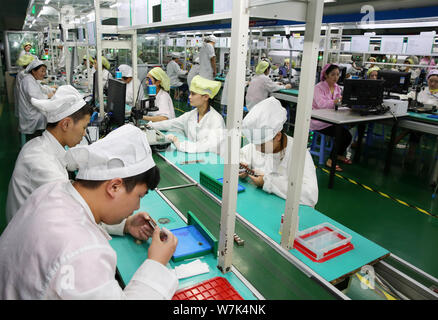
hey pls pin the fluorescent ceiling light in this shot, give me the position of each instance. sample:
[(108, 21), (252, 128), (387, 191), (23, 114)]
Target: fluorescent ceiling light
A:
[(328, 1)]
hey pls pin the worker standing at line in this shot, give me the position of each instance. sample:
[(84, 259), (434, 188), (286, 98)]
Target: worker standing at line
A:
[(41, 160), (31, 121), (327, 94), (194, 71), (23, 62), (63, 251), (269, 150), (174, 71), (203, 126), (127, 76), (163, 101), (261, 86), (207, 58)]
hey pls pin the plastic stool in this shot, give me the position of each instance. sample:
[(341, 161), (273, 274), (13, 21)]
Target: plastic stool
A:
[(319, 150)]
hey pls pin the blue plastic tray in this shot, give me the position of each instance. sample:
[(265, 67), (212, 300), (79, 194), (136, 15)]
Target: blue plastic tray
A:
[(191, 243)]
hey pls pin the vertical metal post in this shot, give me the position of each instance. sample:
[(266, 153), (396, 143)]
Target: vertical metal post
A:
[(302, 121), (239, 44), (326, 45), (99, 57), (134, 62)]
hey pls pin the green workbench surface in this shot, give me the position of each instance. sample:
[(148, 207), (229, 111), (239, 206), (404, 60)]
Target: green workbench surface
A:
[(423, 117), (131, 255), (264, 211), (293, 92)]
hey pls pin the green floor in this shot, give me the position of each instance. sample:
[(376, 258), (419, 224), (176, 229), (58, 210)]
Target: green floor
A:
[(404, 231)]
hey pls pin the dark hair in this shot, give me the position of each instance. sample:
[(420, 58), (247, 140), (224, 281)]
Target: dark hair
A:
[(331, 68), (150, 177), (87, 109)]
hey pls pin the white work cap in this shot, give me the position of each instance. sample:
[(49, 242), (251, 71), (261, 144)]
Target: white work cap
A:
[(175, 55), (34, 64), (123, 153), (210, 38), (66, 101), (264, 121), (125, 70)]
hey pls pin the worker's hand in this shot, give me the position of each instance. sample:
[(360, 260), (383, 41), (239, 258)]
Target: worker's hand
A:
[(161, 250), (288, 86), (258, 181), (170, 137), (243, 175), (338, 100), (50, 95), (138, 226)]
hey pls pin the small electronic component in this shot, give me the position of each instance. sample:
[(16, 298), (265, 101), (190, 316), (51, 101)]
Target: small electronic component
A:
[(243, 169), (153, 224), (239, 241)]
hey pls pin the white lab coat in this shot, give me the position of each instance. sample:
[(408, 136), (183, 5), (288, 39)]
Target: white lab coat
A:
[(173, 71), (194, 71), (276, 170), (205, 55), (205, 136), (30, 118), (18, 78), (130, 92), (260, 87), (41, 160), (165, 105), (224, 97), (106, 75), (425, 97), (53, 249)]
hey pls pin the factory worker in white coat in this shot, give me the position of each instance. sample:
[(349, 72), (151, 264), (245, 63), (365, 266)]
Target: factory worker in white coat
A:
[(127, 76), (261, 86), (173, 71), (26, 50), (429, 94), (207, 58), (31, 120), (163, 101), (269, 150), (23, 62), (194, 71), (105, 71), (41, 160), (203, 126), (63, 251)]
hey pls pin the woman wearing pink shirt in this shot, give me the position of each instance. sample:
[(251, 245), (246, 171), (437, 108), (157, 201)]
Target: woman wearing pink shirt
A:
[(327, 95)]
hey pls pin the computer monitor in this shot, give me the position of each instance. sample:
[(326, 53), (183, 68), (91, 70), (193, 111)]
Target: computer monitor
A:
[(362, 94), (342, 74), (395, 81), (116, 101)]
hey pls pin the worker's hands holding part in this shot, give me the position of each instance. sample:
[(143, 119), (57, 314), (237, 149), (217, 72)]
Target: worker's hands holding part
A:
[(256, 178), (138, 226), (174, 140), (288, 86), (162, 248)]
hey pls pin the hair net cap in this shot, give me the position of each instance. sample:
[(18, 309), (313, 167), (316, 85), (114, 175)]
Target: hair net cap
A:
[(372, 69), (210, 38), (323, 71), (264, 121), (203, 86), (159, 74), (66, 101), (125, 70), (123, 153), (105, 63), (433, 72), (25, 59), (27, 44), (262, 66), (175, 55), (34, 64)]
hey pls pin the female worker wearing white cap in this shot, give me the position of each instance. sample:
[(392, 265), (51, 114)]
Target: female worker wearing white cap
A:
[(63, 251), (269, 150), (174, 71), (203, 126), (127, 75), (207, 58), (41, 160), (163, 101), (26, 50), (261, 86), (31, 121)]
